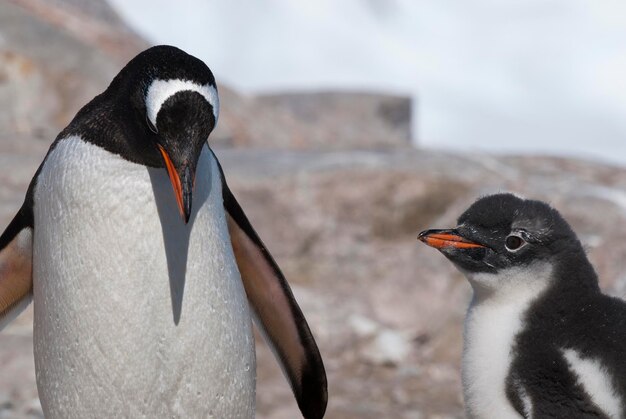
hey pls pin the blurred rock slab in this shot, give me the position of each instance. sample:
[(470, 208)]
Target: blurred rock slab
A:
[(313, 121), (347, 120), (93, 22), (50, 68)]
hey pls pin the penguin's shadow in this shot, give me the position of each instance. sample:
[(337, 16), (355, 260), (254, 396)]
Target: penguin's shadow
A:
[(176, 236)]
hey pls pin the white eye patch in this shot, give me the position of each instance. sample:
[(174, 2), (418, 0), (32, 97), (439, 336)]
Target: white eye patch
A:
[(160, 90)]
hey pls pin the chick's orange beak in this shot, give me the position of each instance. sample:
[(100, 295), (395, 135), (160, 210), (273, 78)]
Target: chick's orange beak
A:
[(446, 238)]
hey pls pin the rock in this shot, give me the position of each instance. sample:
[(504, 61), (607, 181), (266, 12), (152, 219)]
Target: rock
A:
[(382, 346), (5, 402), (245, 123), (313, 121), (413, 414), (34, 408), (363, 327), (21, 81), (388, 348), (344, 120), (92, 22), (48, 69)]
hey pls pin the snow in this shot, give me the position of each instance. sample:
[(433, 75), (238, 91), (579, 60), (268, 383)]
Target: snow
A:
[(496, 75)]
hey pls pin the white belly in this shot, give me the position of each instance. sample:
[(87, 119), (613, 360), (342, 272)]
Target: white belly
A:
[(126, 325), (491, 326), (489, 334)]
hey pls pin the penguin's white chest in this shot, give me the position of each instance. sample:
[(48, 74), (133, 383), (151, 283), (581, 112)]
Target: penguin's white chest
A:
[(491, 326), (489, 335), (136, 313)]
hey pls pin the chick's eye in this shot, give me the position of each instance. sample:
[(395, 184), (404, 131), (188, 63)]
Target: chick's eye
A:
[(151, 125), (514, 242)]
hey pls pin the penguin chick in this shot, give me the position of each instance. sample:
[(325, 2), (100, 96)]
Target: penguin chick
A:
[(540, 338)]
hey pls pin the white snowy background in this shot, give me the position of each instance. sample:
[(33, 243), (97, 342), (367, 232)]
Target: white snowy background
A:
[(532, 76)]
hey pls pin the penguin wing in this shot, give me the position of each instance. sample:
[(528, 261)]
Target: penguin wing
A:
[(277, 313), (16, 279)]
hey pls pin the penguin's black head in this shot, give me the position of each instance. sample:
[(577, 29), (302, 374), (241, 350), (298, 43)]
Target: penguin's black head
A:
[(174, 106), (507, 236)]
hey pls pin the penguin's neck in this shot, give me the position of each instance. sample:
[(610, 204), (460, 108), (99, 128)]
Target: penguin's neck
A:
[(114, 128), (510, 285), (494, 318), (575, 274)]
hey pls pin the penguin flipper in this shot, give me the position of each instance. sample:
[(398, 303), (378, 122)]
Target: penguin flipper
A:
[(16, 279), (277, 313)]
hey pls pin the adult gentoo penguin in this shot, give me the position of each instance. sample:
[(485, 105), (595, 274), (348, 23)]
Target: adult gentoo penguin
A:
[(143, 297), (541, 340)]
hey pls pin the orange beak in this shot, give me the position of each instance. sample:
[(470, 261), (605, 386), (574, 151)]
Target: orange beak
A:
[(183, 197), (446, 238)]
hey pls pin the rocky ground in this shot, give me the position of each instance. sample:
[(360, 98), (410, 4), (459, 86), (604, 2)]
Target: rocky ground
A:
[(339, 206)]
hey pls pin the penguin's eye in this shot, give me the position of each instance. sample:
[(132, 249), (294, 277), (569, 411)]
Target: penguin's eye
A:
[(151, 125), (513, 243)]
